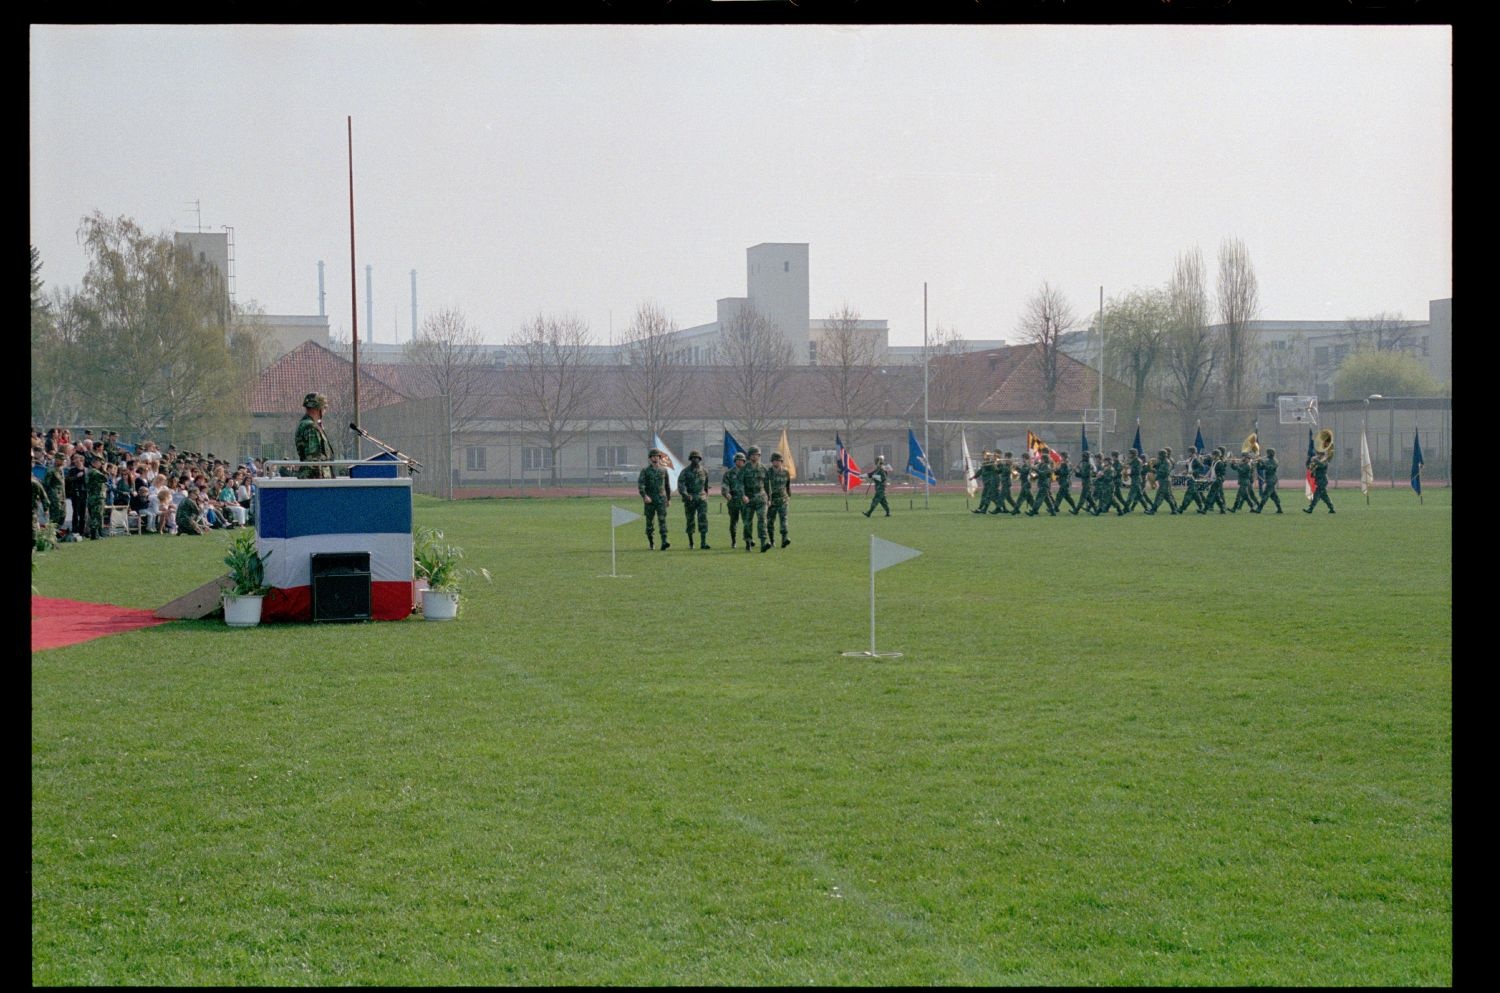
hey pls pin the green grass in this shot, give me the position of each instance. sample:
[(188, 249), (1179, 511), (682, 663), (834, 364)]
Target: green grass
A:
[(1200, 750)]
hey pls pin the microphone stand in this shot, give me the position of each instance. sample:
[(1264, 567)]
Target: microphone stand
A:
[(411, 464)]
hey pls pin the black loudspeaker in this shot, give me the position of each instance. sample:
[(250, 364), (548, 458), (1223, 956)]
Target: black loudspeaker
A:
[(341, 586)]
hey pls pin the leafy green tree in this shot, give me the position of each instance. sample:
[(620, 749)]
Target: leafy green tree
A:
[(153, 349), (1136, 327), (1394, 374)]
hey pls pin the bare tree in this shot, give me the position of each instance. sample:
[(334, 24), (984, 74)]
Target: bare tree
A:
[(1383, 332), (653, 378), (1136, 326), (1046, 318), (852, 391), (1191, 348), (955, 388), (1239, 302), (549, 381), (756, 357), (448, 360)]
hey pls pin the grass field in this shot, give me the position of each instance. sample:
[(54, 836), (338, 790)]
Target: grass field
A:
[(1207, 750)]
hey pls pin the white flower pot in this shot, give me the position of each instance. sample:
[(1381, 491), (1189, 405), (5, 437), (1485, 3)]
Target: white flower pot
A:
[(439, 605), (242, 611)]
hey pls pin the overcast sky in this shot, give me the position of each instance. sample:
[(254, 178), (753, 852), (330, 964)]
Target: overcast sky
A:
[(582, 170)]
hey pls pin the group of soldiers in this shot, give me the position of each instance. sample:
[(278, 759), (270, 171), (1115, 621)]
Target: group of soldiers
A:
[(751, 490), (1110, 482)]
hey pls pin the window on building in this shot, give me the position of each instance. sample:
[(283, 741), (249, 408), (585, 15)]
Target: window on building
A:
[(474, 458), (609, 456), (1320, 355), (1423, 345), (812, 353), (536, 458), (1339, 351), (884, 450), (786, 267)]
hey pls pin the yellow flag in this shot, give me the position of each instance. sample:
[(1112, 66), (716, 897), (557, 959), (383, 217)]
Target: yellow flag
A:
[(785, 450)]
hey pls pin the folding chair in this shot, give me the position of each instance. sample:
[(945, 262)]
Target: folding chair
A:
[(119, 521)]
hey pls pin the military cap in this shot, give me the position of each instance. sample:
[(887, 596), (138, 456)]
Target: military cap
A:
[(695, 455), (753, 450), (653, 453), (1270, 451), (315, 400), (739, 456), (775, 456)]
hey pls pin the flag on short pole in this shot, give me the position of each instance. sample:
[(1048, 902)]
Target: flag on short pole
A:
[(1137, 443), (785, 451), (1084, 438), (916, 460), (849, 474), (1312, 452), (971, 485), (730, 448), (1366, 467), (883, 555), (1416, 461), (619, 515), (1198, 439), (670, 462)]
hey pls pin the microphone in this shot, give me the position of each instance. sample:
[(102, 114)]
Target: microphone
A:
[(355, 428)]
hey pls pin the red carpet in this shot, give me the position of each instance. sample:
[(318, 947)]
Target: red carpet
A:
[(55, 623)]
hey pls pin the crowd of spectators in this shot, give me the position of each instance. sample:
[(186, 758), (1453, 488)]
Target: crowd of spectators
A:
[(79, 483)]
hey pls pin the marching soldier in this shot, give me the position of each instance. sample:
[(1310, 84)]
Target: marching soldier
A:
[(878, 476), (1137, 492), (1064, 485), (1027, 490), (1244, 478), (1191, 493), (1086, 473), (779, 488), (692, 486), (1267, 464), (1215, 496), (1319, 466), (753, 479), (988, 476), (312, 443), (654, 485), (733, 492), (1007, 473), (1163, 471), (1043, 493)]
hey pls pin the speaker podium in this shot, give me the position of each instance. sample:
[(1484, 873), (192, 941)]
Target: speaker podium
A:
[(336, 549)]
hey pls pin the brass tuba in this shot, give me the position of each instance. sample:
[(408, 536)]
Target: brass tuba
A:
[(1323, 443), (1252, 445)]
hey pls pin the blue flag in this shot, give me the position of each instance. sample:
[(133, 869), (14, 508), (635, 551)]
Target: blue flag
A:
[(1416, 462), (1137, 443), (730, 448), (1084, 434), (1200, 446), (916, 460), (1312, 450)]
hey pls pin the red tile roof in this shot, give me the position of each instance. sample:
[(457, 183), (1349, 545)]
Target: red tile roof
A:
[(309, 368)]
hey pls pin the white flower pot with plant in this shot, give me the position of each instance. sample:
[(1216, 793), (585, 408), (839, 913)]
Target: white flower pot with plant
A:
[(247, 575), (436, 561)]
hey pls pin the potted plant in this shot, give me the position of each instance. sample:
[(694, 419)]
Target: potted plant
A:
[(438, 562), (247, 574)]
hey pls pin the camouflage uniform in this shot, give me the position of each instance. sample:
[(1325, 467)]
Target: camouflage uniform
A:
[(52, 483), (1027, 495), (1244, 475), (94, 483), (1191, 493), (654, 482), (1268, 490), (1215, 496), (1319, 469), (1085, 484), (878, 476), (692, 486), (733, 491), (779, 485), (312, 443), (1137, 492), (1163, 471), (753, 481), (1043, 495), (187, 517), (1005, 467), (989, 477)]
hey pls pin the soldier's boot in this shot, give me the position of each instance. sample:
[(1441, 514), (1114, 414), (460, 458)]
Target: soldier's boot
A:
[(867, 513), (690, 539), (664, 543), (764, 545), (785, 541), (651, 542), (703, 540)]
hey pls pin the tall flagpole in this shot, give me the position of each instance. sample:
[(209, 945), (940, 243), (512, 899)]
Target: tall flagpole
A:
[(926, 445), (353, 283), (1101, 368)]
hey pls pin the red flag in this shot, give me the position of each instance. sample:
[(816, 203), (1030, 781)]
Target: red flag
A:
[(849, 474), (1035, 445)]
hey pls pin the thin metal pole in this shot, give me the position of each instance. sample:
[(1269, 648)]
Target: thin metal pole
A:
[(872, 594), (611, 543), (1364, 441), (1393, 445), (926, 441), (1101, 367), (353, 283)]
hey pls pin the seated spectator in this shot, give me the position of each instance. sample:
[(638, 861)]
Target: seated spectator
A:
[(143, 508), (166, 513), (189, 517)]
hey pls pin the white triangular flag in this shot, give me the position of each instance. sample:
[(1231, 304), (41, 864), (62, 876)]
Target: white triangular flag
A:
[(1366, 467), (619, 515), (669, 462), (884, 554), (971, 485)]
